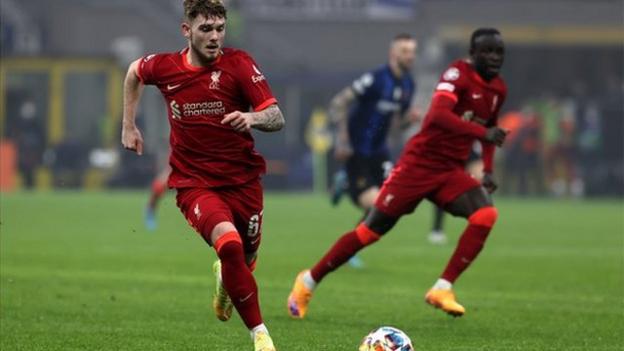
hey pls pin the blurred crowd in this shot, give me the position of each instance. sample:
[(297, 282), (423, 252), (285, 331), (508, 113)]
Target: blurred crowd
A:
[(557, 145)]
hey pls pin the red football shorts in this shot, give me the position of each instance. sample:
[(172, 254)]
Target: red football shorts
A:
[(241, 205), (407, 186)]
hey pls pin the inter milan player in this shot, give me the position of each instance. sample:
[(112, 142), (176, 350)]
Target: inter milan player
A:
[(363, 113), (215, 169), (464, 108)]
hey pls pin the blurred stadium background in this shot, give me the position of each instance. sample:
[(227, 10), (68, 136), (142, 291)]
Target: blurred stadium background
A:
[(63, 62)]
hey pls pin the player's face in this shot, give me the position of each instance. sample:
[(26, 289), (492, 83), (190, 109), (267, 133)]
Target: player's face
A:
[(205, 36), (404, 52), (488, 55)]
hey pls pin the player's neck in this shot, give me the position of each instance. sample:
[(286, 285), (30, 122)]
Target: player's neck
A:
[(195, 60), (396, 69)]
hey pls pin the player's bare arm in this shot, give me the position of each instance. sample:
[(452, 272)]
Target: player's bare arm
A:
[(489, 183), (131, 137), (338, 109), (270, 119), (409, 118), (496, 135)]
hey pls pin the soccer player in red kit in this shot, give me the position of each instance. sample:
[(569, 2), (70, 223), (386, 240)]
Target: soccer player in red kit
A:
[(215, 169), (464, 108)]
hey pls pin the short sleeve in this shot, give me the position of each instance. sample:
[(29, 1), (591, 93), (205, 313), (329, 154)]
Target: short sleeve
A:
[(147, 71), (254, 84), (451, 83), (365, 85)]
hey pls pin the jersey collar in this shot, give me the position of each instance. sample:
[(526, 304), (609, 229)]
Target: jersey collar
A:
[(192, 68)]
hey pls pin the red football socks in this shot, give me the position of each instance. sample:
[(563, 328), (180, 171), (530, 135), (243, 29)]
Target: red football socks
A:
[(347, 246), (158, 189), (471, 242), (237, 279)]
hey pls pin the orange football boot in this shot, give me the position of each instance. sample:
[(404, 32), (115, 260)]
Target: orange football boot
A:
[(444, 299), (299, 298)]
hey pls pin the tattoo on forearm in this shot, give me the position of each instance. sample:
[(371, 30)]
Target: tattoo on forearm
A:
[(269, 119)]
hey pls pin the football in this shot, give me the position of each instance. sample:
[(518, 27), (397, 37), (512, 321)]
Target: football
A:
[(386, 339)]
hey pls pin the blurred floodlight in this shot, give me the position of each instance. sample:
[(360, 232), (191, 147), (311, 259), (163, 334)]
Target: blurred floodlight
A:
[(103, 158), (127, 49)]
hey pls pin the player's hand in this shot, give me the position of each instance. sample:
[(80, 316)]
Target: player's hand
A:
[(488, 183), (131, 139), (240, 121), (415, 115), (496, 135), (342, 152)]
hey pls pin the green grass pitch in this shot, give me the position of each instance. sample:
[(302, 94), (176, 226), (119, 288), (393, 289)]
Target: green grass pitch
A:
[(79, 272)]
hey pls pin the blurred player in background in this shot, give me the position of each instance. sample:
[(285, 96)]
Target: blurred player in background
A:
[(364, 113), (214, 166), (159, 187), (464, 108)]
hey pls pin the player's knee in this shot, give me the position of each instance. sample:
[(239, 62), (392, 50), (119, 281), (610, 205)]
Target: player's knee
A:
[(229, 245), (485, 216), (366, 200), (365, 235), (379, 222)]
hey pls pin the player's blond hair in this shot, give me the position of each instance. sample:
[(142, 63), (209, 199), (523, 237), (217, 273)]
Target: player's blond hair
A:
[(207, 8)]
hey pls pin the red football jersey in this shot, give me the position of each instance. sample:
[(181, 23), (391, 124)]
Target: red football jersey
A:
[(476, 102), (205, 153)]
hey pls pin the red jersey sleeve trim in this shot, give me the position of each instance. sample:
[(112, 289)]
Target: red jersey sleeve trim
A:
[(447, 94), (265, 104)]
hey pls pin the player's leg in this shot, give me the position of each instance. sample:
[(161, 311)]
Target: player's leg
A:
[(362, 190), (212, 218), (369, 231), (239, 283), (339, 186), (221, 302), (366, 201), (474, 167), (437, 236), (365, 234), (159, 187), (476, 205), (246, 203), (367, 174), (400, 194)]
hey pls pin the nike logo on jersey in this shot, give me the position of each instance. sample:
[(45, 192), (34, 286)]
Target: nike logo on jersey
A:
[(476, 96), (171, 87), (243, 299)]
